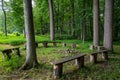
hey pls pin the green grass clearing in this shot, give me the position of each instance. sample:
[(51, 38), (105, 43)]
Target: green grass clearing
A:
[(104, 70)]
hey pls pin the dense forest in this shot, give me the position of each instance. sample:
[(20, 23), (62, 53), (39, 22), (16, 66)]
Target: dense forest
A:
[(72, 18), (59, 39)]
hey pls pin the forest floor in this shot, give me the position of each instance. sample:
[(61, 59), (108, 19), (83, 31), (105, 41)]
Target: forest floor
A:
[(103, 70)]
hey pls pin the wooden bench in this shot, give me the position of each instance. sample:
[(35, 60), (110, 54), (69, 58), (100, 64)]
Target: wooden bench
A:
[(58, 65), (97, 48), (45, 44), (9, 51), (93, 56)]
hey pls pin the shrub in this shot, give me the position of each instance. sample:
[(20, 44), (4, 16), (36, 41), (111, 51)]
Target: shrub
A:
[(17, 42), (16, 33), (14, 63), (1, 33)]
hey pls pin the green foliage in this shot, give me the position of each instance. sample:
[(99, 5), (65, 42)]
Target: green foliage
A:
[(17, 39), (68, 17), (12, 39), (14, 63), (65, 37), (16, 33), (1, 33)]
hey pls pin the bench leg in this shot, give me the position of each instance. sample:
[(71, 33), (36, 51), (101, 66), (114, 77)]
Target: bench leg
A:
[(58, 71), (3, 56), (105, 55), (80, 62), (93, 58), (18, 52), (45, 44), (8, 55), (54, 44)]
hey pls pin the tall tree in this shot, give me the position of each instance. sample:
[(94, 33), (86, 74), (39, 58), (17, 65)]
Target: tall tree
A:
[(31, 59), (96, 40), (72, 17), (4, 13), (83, 22), (108, 24), (17, 15), (51, 19)]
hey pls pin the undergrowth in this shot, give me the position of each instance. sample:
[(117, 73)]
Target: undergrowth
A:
[(8, 65), (103, 70)]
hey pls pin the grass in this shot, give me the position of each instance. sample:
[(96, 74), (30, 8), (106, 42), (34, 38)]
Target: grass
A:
[(17, 40), (103, 70)]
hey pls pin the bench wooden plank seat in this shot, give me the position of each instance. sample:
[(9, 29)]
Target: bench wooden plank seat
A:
[(8, 51), (93, 56), (104, 54), (68, 59), (58, 65), (45, 44)]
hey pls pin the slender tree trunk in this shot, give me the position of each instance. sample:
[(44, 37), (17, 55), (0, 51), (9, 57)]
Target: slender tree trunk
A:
[(51, 20), (83, 23), (83, 30), (31, 58), (108, 24), (91, 27), (96, 40), (4, 13), (72, 18)]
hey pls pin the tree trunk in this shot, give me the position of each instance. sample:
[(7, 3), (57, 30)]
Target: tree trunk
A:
[(31, 59), (96, 40), (83, 30), (51, 20), (4, 13), (91, 27), (72, 17), (108, 25), (83, 23)]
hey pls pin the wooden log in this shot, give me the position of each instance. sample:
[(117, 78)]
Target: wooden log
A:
[(99, 48), (93, 58), (58, 70), (58, 65), (80, 62), (92, 47), (6, 52), (105, 55), (73, 45), (54, 44), (45, 44), (64, 44), (18, 52)]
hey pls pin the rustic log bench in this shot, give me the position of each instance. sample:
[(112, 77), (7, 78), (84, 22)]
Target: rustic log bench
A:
[(9, 51), (93, 56), (58, 65), (45, 44)]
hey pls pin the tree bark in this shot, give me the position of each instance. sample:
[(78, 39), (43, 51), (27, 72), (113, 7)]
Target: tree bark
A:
[(4, 13), (83, 23), (96, 29), (31, 59), (72, 17), (51, 20), (108, 25)]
